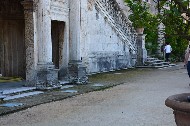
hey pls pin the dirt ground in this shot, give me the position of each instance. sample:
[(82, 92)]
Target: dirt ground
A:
[(139, 101)]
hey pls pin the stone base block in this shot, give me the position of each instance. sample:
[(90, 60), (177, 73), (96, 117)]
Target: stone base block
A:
[(47, 78), (77, 72)]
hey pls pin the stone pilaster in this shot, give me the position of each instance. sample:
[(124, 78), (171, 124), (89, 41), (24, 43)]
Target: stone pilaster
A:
[(161, 39), (141, 50), (29, 41)]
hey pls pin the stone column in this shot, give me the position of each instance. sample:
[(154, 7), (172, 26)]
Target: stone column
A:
[(76, 70), (47, 75), (29, 41), (44, 36), (141, 50), (75, 27)]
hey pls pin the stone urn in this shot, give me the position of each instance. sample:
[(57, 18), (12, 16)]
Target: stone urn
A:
[(180, 104), (140, 30)]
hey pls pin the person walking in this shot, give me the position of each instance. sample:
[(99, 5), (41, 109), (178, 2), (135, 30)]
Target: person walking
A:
[(187, 59), (168, 50)]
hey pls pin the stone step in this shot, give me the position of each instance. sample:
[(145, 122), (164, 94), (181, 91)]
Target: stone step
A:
[(15, 93), (17, 90), (158, 61), (145, 67), (151, 59), (172, 64), (22, 95), (148, 63), (157, 64), (166, 63), (2, 97), (67, 86), (63, 82)]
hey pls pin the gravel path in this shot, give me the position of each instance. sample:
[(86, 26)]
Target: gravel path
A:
[(138, 102)]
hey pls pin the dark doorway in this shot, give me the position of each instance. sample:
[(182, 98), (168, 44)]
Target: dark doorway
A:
[(57, 33), (12, 45)]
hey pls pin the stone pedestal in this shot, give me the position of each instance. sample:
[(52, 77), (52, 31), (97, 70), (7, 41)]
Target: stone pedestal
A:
[(47, 77), (77, 72), (141, 50)]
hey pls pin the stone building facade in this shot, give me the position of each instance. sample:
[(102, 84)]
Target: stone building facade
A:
[(44, 41)]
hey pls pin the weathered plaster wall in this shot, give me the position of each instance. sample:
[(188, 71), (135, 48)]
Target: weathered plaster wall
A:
[(101, 48), (46, 11), (87, 36), (59, 10), (123, 7), (153, 6)]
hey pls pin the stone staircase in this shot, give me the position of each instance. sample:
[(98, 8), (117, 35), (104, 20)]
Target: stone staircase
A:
[(113, 14), (20, 92), (14, 93), (156, 63)]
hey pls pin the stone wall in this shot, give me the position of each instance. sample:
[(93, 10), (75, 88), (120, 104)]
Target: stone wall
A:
[(44, 13), (102, 47), (60, 12), (97, 35), (123, 7)]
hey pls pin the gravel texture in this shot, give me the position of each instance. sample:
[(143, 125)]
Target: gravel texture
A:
[(137, 100)]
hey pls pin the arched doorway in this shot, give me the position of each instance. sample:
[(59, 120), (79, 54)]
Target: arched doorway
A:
[(12, 45)]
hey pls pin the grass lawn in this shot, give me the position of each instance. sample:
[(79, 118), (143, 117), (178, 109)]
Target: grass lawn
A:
[(9, 79)]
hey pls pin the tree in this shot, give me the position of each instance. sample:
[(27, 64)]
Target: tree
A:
[(176, 31), (141, 17), (177, 26)]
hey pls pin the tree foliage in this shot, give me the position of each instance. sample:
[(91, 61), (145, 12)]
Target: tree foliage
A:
[(141, 17), (176, 31)]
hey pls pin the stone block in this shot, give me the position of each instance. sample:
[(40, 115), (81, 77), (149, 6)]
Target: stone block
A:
[(77, 72), (47, 78)]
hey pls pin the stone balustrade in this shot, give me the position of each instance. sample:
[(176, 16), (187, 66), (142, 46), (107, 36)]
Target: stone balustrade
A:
[(118, 20)]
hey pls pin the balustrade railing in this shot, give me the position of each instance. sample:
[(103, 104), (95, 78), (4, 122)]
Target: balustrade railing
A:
[(118, 20)]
